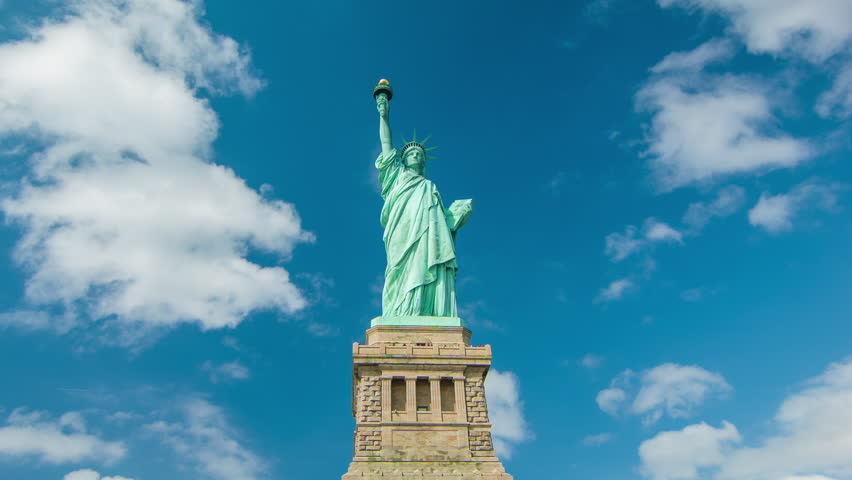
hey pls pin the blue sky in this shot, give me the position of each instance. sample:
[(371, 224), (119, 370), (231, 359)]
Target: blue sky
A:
[(658, 253)]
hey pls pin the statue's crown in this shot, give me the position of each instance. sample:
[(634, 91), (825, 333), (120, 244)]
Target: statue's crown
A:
[(415, 144)]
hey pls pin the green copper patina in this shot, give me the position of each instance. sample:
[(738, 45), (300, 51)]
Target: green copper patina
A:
[(419, 237)]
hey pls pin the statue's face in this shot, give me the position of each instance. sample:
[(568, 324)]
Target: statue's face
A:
[(415, 158)]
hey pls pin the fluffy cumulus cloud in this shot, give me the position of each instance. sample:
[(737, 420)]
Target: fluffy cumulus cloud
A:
[(88, 474), (204, 438), (505, 408), (125, 218), (610, 400), (707, 126), (680, 455), (675, 390), (62, 440), (668, 389), (775, 213), (812, 441), (620, 246)]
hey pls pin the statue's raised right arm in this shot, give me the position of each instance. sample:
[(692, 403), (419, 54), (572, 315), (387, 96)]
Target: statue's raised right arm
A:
[(383, 105)]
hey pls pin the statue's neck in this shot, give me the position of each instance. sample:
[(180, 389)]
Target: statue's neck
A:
[(419, 171)]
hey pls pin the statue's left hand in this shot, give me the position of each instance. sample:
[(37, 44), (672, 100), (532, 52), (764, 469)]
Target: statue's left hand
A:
[(458, 213)]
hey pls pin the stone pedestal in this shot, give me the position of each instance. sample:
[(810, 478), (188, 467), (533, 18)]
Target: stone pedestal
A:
[(419, 406)]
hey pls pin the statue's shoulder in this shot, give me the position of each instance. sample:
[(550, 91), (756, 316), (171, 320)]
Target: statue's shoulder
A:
[(384, 161)]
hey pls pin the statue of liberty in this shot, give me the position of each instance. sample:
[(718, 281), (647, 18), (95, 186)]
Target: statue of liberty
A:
[(419, 232)]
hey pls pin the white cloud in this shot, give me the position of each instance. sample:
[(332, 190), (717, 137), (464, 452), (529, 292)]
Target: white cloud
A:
[(667, 389), (660, 232), (705, 126), (506, 411), (30, 320), (614, 291), (814, 29), (813, 439), (226, 371), (122, 417), (675, 390), (33, 434), (620, 246), (590, 360), (775, 213), (88, 474), (837, 102), (728, 201), (85, 474), (597, 440), (695, 60), (74, 421), (125, 219), (815, 433), (680, 455), (808, 477), (204, 437), (610, 400), (772, 213)]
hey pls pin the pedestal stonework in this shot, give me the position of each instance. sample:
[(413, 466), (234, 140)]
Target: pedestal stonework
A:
[(419, 406)]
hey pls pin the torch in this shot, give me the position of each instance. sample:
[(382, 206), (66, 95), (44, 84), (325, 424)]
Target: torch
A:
[(383, 87)]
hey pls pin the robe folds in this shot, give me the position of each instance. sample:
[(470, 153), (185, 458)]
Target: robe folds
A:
[(419, 241)]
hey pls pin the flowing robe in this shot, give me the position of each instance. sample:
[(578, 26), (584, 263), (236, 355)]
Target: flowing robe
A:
[(419, 241)]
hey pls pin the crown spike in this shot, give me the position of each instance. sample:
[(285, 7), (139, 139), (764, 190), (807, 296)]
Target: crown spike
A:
[(414, 143)]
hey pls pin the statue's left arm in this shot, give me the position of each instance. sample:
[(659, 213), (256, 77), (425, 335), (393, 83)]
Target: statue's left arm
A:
[(458, 214)]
